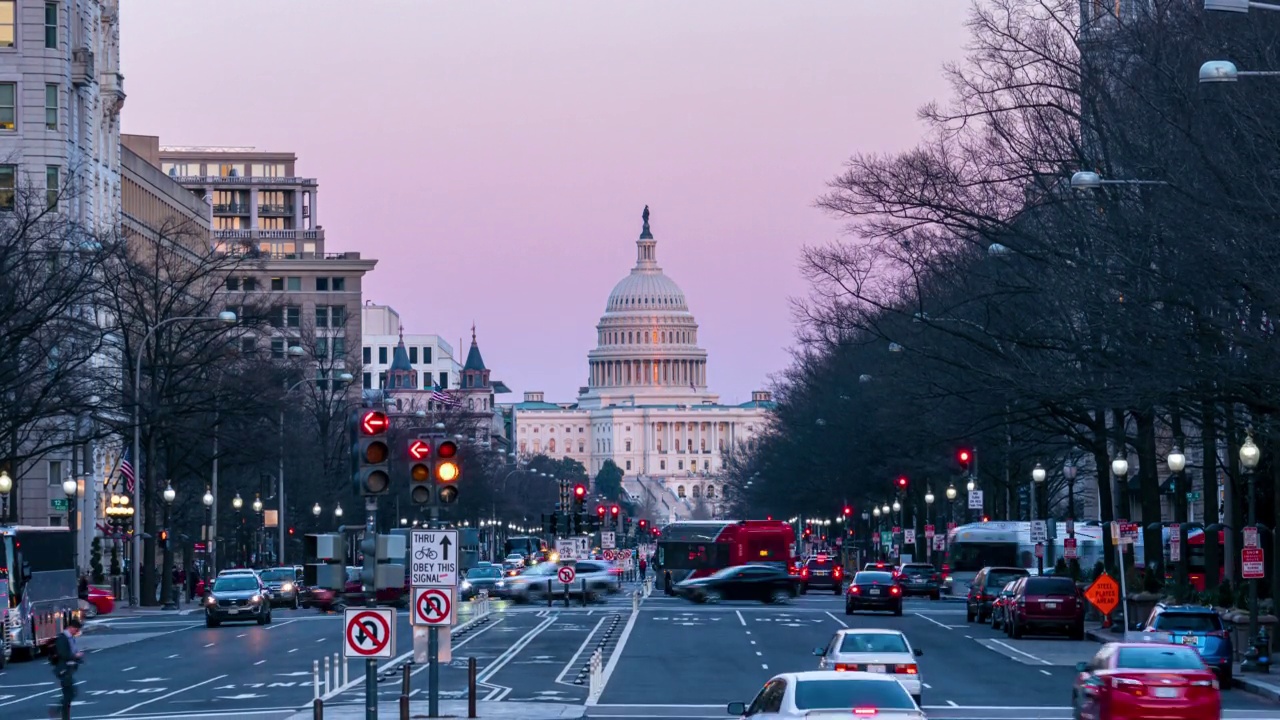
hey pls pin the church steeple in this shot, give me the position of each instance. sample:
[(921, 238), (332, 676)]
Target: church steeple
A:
[(401, 375)]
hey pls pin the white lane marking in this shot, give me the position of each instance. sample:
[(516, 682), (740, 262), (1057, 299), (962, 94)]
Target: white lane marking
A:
[(581, 648), (167, 695), (935, 622), (240, 635), (968, 637), (1046, 672), (843, 623), (172, 656), (294, 650), (753, 642), (273, 626), (1003, 644), (740, 618), (927, 686), (615, 657), (766, 667), (259, 662), (27, 685), (209, 645), (502, 660), (952, 703), (321, 639)]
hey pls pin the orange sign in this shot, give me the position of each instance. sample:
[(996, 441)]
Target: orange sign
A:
[(1104, 593)]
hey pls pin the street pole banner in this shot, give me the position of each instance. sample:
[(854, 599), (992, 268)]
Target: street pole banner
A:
[(369, 633), (433, 558)]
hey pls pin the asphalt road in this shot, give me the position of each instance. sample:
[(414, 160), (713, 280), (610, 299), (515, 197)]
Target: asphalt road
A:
[(673, 659)]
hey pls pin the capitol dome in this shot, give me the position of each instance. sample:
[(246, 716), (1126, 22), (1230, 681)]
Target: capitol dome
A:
[(646, 339)]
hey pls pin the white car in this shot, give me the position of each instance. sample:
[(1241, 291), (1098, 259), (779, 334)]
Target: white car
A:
[(533, 584), (826, 694), (876, 651)]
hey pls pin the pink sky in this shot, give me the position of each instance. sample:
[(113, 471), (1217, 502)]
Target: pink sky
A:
[(495, 156)]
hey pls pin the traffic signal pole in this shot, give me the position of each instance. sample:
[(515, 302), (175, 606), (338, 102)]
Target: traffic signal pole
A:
[(433, 649), (370, 548)]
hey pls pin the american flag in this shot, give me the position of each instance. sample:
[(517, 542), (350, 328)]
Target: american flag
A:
[(126, 469), (440, 396)]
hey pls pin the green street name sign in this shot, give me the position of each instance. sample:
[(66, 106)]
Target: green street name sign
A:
[(62, 504)]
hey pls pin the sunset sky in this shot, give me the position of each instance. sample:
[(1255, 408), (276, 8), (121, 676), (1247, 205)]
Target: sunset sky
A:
[(495, 156)]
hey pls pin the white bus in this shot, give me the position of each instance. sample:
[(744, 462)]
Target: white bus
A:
[(37, 586)]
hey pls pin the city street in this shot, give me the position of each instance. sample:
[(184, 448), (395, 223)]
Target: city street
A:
[(677, 660)]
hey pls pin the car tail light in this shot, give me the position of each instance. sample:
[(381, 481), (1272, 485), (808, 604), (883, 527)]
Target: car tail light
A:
[(843, 667), (934, 577), (1217, 633), (1129, 685), (804, 572), (879, 566), (1205, 683), (865, 712), (911, 669), (895, 590), (855, 590), (838, 572)]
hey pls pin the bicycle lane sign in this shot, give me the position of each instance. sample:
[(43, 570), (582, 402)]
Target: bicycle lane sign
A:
[(433, 558)]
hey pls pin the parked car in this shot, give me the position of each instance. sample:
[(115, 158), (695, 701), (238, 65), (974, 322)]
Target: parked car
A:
[(767, 583), (983, 589), (1000, 606), (920, 579), (1051, 604), (1134, 680), (1197, 627)]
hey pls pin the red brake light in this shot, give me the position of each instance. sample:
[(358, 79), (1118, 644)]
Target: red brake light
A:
[(895, 590), (1217, 633), (804, 572), (822, 558), (838, 571), (907, 669), (864, 711), (841, 667), (855, 590), (879, 565)]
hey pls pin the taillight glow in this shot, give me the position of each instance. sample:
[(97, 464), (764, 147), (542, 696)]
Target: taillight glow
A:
[(842, 667), (1205, 683), (838, 571), (1128, 685), (864, 711), (895, 590), (855, 590), (804, 572), (1217, 633), (907, 670)]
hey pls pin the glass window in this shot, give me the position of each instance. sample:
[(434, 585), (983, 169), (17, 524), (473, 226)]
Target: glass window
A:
[(277, 284), (872, 577), (368, 379), (322, 347), (1048, 586), (51, 25), (293, 316), (367, 357), (382, 355), (55, 472), (444, 381), (7, 22), (277, 348), (322, 284), (413, 356), (843, 694), (1159, 657), (8, 105), (339, 284), (228, 170), (249, 284), (322, 316), (51, 106), (295, 284), (426, 355), (873, 643), (248, 345), (8, 185), (337, 316), (1188, 622), (233, 283), (52, 185), (339, 348)]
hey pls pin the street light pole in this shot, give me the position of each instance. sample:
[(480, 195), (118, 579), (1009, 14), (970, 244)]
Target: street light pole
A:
[(1037, 478), (208, 530), (70, 488), (166, 580), (236, 504), (1177, 462), (227, 318), (1254, 657)]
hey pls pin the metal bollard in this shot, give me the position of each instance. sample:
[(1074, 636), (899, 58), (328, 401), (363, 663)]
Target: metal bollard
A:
[(317, 709), (548, 593), (584, 592), (635, 601), (404, 692), (471, 687), (566, 594), (337, 663)]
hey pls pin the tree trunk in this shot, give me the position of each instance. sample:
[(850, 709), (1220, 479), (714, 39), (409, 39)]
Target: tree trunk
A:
[(1231, 498), (1149, 483), (1209, 492), (1106, 506)]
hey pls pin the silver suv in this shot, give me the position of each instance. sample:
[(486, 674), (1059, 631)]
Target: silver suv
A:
[(532, 584)]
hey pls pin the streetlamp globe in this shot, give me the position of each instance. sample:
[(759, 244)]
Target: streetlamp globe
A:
[(316, 510), (227, 317), (884, 509), (237, 502), (346, 377), (864, 378), (69, 487), (1249, 453), (169, 493), (1085, 180), (1069, 470), (1177, 461), (337, 512), (1219, 71), (257, 504), (875, 512), (296, 351), (970, 486), (897, 506), (1120, 466), (951, 492), (6, 482), (1038, 474), (207, 499), (928, 497)]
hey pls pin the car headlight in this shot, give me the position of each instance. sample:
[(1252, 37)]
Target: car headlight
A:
[(287, 587), (255, 599), (500, 583), (211, 600), (466, 585)]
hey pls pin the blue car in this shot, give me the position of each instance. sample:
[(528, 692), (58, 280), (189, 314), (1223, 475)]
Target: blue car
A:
[(1198, 627)]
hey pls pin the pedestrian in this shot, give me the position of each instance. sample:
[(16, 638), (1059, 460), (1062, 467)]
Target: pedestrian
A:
[(644, 566), (66, 661), (82, 589)]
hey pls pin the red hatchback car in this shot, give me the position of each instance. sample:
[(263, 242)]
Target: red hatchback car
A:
[(1052, 604), (1127, 681)]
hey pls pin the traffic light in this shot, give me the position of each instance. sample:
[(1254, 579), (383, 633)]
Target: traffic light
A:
[(420, 491), (965, 458), (614, 511), (656, 532), (555, 524), (902, 482), (848, 511), (643, 525), (447, 471), (626, 526), (372, 453), (579, 495)]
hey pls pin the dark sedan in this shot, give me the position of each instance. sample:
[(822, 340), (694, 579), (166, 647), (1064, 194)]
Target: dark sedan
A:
[(766, 583), (487, 577), (873, 591)]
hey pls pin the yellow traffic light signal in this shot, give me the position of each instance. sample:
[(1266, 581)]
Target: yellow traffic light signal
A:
[(447, 471)]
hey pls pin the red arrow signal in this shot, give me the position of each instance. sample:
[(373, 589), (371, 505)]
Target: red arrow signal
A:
[(374, 423), (419, 449)]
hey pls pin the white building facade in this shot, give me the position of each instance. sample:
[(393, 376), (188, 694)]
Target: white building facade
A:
[(646, 405), (431, 356)]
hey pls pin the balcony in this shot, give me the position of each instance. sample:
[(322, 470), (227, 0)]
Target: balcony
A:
[(244, 180), (231, 209), (113, 89), (82, 73), (275, 210), (268, 234)]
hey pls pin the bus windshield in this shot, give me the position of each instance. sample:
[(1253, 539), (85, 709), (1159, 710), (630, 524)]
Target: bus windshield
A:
[(522, 545), (694, 555), (973, 556)]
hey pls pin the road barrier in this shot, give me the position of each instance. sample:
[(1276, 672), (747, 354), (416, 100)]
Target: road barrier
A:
[(595, 682), (635, 601)]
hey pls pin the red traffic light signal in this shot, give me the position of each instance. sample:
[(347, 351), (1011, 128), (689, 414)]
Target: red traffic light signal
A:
[(902, 482), (615, 510), (848, 511), (579, 491), (643, 524), (600, 510), (374, 422), (965, 457), (656, 532), (447, 450), (419, 449)]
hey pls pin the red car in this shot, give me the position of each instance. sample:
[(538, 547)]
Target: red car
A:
[(100, 602), (1040, 604), (1127, 681)]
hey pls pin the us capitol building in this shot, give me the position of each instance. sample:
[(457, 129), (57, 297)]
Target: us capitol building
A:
[(646, 405)]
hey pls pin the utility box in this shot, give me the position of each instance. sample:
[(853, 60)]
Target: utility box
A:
[(329, 577), (328, 546), (391, 547), (388, 576)]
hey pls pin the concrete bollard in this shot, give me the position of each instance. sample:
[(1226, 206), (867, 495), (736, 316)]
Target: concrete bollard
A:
[(337, 663), (635, 601)]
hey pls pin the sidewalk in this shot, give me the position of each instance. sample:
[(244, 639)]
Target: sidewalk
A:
[(457, 709), (1262, 685)]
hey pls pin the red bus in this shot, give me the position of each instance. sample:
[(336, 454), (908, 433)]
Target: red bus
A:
[(1195, 557), (697, 548)]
